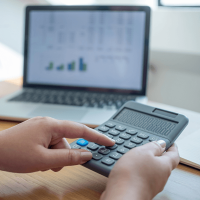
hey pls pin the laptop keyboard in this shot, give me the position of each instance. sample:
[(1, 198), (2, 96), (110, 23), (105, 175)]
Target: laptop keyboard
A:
[(73, 98)]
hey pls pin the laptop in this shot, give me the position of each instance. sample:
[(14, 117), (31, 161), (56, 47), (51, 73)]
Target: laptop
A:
[(81, 63)]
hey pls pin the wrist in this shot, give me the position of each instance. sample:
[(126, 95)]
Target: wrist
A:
[(123, 189)]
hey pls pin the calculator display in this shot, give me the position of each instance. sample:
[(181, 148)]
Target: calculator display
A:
[(146, 122)]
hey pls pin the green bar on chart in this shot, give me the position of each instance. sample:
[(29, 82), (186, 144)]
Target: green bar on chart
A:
[(84, 67)]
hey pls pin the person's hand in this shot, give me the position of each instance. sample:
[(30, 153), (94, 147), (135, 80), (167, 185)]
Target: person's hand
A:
[(40, 144), (141, 173)]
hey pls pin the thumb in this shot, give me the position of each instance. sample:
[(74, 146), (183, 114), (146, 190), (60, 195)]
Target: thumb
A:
[(156, 147), (55, 158)]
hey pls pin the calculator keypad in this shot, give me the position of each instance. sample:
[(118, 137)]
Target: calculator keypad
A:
[(126, 139)]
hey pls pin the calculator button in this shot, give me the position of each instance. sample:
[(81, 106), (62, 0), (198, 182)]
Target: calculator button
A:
[(104, 151), (112, 147), (145, 142), (153, 138), (131, 132), (119, 141), (124, 136), (110, 136), (93, 146), (120, 128), (75, 146), (122, 150), (113, 132), (115, 155), (130, 145), (97, 156), (108, 161), (142, 135), (110, 124), (136, 140), (82, 142), (103, 129)]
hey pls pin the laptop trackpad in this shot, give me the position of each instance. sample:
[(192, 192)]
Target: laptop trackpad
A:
[(57, 112)]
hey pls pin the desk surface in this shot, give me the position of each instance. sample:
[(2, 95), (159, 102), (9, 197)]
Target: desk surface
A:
[(80, 183)]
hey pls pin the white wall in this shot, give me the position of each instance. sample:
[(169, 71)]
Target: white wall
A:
[(12, 22)]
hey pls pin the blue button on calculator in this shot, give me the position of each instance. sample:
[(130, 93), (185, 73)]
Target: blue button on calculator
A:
[(82, 142)]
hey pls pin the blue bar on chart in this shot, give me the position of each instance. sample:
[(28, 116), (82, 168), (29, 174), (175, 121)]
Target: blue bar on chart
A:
[(60, 68), (71, 66), (82, 65)]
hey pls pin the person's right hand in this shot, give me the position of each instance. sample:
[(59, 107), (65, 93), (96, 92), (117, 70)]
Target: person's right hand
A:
[(141, 173)]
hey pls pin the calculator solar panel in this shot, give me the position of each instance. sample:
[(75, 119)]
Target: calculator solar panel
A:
[(133, 125)]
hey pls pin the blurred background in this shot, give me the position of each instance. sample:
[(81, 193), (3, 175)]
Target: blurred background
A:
[(174, 72)]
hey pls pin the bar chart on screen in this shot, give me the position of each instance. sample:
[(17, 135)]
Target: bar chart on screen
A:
[(71, 66)]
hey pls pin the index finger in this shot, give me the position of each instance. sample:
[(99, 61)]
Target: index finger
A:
[(171, 156), (71, 129)]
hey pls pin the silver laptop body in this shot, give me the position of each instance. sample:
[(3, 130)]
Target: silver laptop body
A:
[(81, 63)]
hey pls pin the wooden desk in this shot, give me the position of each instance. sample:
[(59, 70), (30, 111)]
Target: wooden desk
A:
[(80, 183)]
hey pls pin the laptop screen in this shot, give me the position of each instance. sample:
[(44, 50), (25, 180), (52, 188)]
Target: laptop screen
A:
[(86, 48)]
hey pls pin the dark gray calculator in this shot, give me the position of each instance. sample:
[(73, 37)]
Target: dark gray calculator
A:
[(133, 125)]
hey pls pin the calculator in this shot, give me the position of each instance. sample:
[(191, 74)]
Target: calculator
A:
[(133, 125)]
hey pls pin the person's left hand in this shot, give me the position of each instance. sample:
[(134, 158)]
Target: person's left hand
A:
[(39, 144)]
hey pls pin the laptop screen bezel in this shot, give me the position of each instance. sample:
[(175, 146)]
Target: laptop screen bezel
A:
[(146, 9)]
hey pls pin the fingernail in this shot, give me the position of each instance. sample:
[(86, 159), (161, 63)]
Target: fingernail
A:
[(176, 145), (162, 143), (85, 156)]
